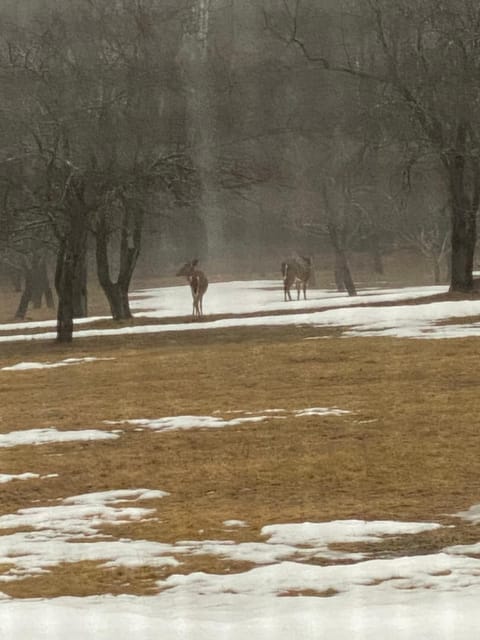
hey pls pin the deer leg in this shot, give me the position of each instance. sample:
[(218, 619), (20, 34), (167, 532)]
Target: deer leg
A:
[(197, 302)]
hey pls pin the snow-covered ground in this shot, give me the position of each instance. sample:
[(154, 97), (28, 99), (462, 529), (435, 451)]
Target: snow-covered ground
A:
[(324, 308), (297, 589), (424, 615), (284, 597)]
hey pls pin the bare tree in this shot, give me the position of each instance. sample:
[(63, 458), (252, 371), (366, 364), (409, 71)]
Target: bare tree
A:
[(425, 59), (90, 83)]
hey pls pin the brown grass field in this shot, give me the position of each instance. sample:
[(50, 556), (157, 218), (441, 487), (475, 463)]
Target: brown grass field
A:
[(409, 449)]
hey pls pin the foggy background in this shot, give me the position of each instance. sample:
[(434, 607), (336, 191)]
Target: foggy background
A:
[(214, 124)]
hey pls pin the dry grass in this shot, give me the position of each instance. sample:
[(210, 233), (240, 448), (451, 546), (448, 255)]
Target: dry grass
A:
[(408, 450), (326, 593)]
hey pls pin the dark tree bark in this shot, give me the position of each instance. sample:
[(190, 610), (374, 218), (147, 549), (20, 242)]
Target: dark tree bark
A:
[(337, 234), (37, 286), (436, 271), (464, 223), (63, 284), (376, 253), (16, 278), (80, 293), (70, 275), (25, 297), (41, 284), (130, 241), (343, 276)]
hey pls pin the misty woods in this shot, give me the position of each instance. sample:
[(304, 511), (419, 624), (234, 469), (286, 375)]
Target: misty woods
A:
[(137, 133)]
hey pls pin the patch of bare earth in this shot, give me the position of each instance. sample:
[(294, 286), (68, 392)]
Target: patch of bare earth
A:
[(407, 451), (326, 593)]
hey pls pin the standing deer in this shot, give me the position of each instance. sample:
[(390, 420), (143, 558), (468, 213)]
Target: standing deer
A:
[(198, 284), (296, 271)]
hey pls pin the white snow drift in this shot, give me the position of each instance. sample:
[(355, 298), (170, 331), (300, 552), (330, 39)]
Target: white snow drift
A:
[(325, 309)]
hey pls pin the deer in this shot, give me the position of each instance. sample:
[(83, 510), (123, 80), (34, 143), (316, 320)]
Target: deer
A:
[(198, 284), (296, 272)]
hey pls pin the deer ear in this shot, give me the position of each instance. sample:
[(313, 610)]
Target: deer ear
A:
[(194, 262)]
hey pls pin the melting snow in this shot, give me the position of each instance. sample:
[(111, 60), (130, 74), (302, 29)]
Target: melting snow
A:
[(174, 423), (320, 411), (325, 308), (472, 515), (431, 596), (305, 540), (51, 434), (321, 534), (6, 477), (441, 571), (44, 534), (25, 366), (80, 516)]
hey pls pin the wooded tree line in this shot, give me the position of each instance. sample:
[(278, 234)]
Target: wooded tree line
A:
[(233, 127)]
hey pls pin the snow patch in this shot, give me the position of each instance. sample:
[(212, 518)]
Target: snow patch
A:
[(44, 539), (26, 366), (175, 423), (6, 477), (324, 309), (50, 435), (324, 533), (471, 515)]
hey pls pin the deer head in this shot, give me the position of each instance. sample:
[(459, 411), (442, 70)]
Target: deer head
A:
[(187, 268)]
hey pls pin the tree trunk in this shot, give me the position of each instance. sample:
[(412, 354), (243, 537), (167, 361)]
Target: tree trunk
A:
[(36, 286), (343, 273), (40, 284), (63, 283), (80, 297), (464, 230), (376, 254), (118, 300), (436, 270), (448, 262), (343, 276), (26, 296), (338, 275), (16, 278), (37, 283), (117, 292), (49, 298), (463, 249), (70, 270)]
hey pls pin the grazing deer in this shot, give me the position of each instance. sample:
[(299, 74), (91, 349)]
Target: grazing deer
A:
[(198, 284), (298, 272)]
